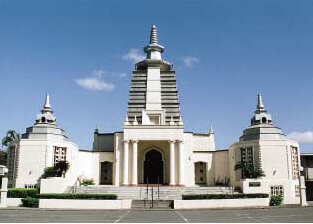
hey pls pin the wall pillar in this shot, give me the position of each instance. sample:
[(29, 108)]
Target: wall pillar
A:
[(134, 163), (181, 163), (3, 192), (125, 163), (172, 162)]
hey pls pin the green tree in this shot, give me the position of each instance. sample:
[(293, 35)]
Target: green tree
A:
[(61, 168), (249, 170), (11, 136)]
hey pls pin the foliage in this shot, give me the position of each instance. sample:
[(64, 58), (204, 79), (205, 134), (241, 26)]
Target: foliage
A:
[(222, 196), (3, 157), (276, 200), (61, 168), (30, 202), (87, 182), (49, 172), (23, 192), (11, 136), (249, 170), (79, 196), (58, 170)]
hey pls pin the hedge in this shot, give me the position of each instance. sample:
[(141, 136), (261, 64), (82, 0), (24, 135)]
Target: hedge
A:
[(30, 202), (79, 196), (23, 192), (222, 196)]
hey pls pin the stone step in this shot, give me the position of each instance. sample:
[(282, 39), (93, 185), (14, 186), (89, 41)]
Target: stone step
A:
[(140, 193), (148, 204)]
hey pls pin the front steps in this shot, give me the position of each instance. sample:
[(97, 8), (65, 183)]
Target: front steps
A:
[(148, 204), (141, 192)]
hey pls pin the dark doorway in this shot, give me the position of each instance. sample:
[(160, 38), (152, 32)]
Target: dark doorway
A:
[(153, 167), (200, 173), (106, 173)]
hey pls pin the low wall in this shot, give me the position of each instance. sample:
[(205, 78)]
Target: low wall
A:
[(84, 204), (14, 202), (221, 203), (53, 185)]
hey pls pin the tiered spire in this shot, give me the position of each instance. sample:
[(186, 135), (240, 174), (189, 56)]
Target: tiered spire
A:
[(154, 35), (47, 106), (154, 50), (260, 114), (46, 116), (260, 106)]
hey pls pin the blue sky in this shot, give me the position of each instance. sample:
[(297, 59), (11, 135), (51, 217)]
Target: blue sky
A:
[(224, 53)]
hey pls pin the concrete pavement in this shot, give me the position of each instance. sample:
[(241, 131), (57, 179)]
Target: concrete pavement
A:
[(288, 214)]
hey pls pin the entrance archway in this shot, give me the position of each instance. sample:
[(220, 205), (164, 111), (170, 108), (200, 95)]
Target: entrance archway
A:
[(153, 167), (106, 173), (200, 173)]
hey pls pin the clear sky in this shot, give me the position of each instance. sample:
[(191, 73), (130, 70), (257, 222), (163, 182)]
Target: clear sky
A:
[(224, 53)]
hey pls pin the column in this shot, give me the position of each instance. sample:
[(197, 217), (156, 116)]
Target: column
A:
[(4, 191), (181, 163), (125, 163), (134, 163), (172, 162)]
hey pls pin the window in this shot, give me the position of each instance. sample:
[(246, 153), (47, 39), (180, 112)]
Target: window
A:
[(297, 191), (154, 119), (246, 155), (30, 185), (59, 154), (277, 190), (294, 162), (263, 120)]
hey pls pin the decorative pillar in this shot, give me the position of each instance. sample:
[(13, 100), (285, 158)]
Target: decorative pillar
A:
[(134, 163), (125, 163), (172, 162), (181, 163), (3, 192)]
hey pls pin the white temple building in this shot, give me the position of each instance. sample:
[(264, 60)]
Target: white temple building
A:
[(153, 146)]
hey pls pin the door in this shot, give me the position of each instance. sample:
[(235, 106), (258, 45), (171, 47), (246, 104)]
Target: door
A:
[(106, 173), (200, 173), (153, 167)]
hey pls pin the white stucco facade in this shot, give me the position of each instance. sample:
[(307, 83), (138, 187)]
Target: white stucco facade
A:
[(154, 147)]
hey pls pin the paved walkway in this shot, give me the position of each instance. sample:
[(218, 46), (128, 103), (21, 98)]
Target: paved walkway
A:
[(295, 214)]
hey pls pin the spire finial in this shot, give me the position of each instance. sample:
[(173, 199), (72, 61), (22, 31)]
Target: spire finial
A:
[(260, 106), (260, 103), (211, 130), (172, 120), (154, 50), (154, 35), (135, 122), (47, 101), (47, 106), (126, 122)]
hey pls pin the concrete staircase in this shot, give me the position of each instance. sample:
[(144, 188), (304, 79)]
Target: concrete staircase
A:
[(141, 193), (148, 204)]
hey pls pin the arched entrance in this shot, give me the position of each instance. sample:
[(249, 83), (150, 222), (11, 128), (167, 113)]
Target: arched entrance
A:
[(106, 173), (200, 173), (153, 167)]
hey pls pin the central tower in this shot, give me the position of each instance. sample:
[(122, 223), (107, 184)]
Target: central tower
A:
[(153, 97)]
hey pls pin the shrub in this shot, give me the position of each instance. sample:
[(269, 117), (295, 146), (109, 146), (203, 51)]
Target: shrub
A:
[(276, 200), (58, 170), (87, 182), (249, 170), (61, 168), (30, 202), (23, 192), (50, 172), (222, 196), (79, 196)]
